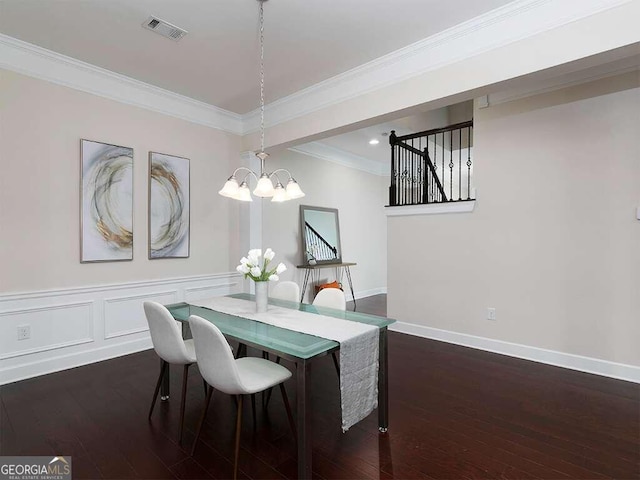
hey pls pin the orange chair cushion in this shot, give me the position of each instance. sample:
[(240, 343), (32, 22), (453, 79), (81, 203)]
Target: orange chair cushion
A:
[(333, 284)]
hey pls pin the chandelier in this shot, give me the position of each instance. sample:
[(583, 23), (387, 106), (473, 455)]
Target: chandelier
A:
[(265, 186)]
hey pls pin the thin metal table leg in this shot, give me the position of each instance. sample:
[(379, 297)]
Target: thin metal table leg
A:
[(164, 388), (303, 372), (353, 295), (383, 383)]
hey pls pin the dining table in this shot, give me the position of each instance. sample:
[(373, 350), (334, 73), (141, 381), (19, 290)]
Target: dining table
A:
[(299, 348)]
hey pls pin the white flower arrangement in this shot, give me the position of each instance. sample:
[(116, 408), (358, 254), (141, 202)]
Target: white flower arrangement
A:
[(256, 266)]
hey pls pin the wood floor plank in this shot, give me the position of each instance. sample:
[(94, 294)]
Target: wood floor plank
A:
[(555, 426)]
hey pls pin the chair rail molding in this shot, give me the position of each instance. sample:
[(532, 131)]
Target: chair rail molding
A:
[(76, 326)]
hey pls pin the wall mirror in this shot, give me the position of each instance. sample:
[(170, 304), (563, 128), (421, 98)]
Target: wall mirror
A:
[(320, 235)]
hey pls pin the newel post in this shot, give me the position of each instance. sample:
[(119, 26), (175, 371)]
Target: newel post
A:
[(392, 187)]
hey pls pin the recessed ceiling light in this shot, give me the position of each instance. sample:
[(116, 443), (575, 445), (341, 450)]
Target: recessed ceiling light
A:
[(374, 141)]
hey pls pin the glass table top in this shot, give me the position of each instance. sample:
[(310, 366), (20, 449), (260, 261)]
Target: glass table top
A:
[(276, 339)]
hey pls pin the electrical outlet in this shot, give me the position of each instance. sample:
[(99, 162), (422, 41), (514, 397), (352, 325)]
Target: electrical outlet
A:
[(491, 313), (24, 332)]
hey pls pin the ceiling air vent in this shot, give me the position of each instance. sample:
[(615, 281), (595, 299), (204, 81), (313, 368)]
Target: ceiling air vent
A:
[(164, 28)]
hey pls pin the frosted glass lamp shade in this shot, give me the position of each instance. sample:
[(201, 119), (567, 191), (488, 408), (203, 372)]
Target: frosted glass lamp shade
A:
[(294, 190), (280, 194), (244, 194), (264, 187), (230, 188)]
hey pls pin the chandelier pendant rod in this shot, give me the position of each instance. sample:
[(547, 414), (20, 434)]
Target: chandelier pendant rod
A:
[(262, 156), (264, 187)]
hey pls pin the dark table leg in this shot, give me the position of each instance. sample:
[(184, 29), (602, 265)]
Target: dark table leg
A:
[(383, 383), (164, 388), (303, 394)]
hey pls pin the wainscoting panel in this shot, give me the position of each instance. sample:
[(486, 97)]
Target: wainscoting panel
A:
[(76, 326), (125, 315), (44, 327)]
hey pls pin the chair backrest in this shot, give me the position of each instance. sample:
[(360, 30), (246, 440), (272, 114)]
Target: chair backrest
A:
[(165, 334), (286, 291), (330, 298), (215, 360)]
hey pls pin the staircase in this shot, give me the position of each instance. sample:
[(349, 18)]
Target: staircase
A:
[(433, 166)]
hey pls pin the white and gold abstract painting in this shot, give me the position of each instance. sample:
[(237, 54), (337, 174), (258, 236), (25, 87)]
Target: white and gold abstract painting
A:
[(106, 196), (168, 206)]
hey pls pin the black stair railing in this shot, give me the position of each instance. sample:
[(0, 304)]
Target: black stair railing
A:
[(318, 245), (433, 166)]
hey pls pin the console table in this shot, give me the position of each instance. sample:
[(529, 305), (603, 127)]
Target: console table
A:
[(315, 271)]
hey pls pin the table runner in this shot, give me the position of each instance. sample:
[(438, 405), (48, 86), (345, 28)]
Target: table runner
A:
[(359, 344)]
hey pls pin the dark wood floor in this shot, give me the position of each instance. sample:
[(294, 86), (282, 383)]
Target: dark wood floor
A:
[(455, 413)]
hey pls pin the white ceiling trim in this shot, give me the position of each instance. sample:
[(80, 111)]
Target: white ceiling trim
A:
[(331, 154), (512, 22), (38, 62), (515, 21)]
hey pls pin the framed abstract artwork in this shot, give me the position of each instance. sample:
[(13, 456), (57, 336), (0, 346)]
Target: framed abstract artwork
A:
[(169, 217), (106, 202)]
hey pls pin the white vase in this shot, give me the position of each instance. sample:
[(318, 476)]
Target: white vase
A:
[(262, 296)]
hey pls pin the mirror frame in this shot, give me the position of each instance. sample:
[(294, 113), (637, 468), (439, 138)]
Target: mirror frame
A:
[(303, 235)]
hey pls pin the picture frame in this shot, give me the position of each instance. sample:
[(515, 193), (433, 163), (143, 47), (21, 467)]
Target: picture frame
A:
[(106, 202), (169, 214)]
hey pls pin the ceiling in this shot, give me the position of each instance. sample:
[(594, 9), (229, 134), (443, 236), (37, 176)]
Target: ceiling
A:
[(306, 42)]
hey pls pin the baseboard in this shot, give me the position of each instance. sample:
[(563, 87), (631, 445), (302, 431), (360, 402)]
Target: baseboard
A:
[(366, 293), (596, 366), (66, 361)]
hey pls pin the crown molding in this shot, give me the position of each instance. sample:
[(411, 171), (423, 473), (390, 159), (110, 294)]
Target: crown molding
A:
[(338, 156), (515, 21), (38, 62), (512, 22)]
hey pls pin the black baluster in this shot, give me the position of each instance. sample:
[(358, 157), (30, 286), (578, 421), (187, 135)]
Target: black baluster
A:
[(404, 176), (451, 166), (426, 182), (460, 164), (443, 176), (412, 157)]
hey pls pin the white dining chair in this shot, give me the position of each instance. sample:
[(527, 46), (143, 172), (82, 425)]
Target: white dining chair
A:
[(242, 376), (287, 290), (171, 348), (330, 298)]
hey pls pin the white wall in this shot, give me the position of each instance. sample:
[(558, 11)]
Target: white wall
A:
[(553, 243), (83, 312), (359, 197), (41, 125)]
